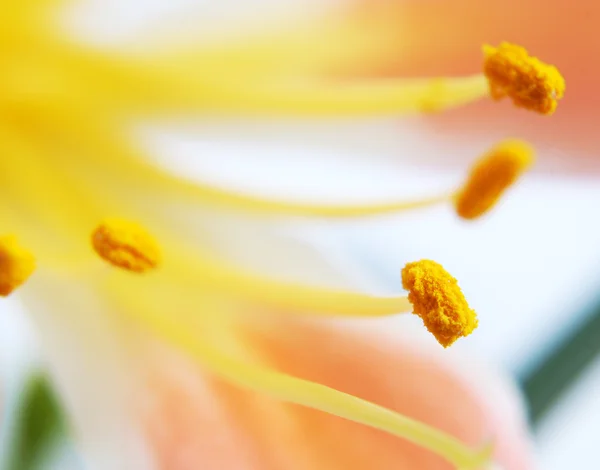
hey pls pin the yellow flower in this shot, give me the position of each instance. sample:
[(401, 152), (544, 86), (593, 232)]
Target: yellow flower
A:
[(70, 169)]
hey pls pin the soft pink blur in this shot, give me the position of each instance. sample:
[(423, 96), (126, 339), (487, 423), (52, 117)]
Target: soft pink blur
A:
[(194, 420)]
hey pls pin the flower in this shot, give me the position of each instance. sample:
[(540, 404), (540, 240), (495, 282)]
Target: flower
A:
[(73, 171)]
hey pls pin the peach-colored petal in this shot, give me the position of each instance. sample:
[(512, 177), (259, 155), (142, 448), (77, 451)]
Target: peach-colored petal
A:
[(192, 421)]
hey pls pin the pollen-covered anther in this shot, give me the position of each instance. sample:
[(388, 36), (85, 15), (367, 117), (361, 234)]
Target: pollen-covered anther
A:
[(438, 300), (126, 244), (16, 264), (528, 81), (491, 175)]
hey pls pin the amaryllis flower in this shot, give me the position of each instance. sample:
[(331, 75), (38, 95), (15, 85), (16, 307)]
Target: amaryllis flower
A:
[(168, 350)]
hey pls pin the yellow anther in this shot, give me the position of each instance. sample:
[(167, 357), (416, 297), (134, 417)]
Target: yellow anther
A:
[(16, 264), (491, 175), (126, 244), (529, 82), (438, 300)]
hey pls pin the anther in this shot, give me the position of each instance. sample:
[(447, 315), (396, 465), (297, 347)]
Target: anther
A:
[(438, 300), (16, 264), (528, 81), (126, 244), (491, 176)]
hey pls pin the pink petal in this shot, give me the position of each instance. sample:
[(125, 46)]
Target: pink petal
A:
[(194, 420)]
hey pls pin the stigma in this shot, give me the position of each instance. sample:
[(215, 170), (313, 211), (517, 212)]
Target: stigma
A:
[(438, 300), (126, 244), (16, 264), (491, 176), (529, 82)]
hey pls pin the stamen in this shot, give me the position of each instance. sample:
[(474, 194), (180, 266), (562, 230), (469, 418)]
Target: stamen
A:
[(240, 201), (529, 82), (286, 296), (497, 170), (129, 162), (466, 200), (16, 264), (376, 98), (126, 244), (302, 392), (438, 300)]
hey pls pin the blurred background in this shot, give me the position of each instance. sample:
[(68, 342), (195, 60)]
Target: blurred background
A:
[(531, 268)]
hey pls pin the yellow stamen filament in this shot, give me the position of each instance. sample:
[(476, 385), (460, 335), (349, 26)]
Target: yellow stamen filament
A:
[(306, 393), (491, 176), (302, 47), (126, 244), (433, 295), (16, 264), (438, 300), (223, 91), (246, 202), (313, 300), (327, 98), (483, 187), (529, 82), (129, 162), (27, 175)]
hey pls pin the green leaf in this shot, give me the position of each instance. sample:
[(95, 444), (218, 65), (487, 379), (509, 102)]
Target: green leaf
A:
[(38, 427), (548, 380)]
